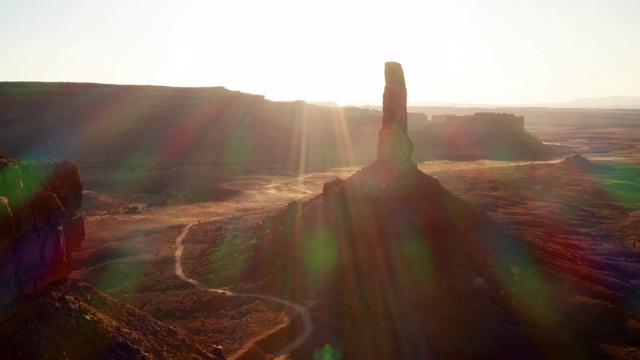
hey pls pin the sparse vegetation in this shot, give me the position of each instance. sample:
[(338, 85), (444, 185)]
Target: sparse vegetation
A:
[(133, 209), (4, 160)]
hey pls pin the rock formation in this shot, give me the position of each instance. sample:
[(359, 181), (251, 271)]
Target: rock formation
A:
[(72, 320), (40, 225), (483, 135), (395, 254), (404, 269), (412, 270), (43, 313), (580, 164), (394, 145)]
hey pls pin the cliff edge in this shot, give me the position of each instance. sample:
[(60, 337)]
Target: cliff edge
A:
[(484, 135), (40, 224)]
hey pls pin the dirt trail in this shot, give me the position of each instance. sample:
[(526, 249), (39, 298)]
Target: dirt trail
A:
[(303, 311)]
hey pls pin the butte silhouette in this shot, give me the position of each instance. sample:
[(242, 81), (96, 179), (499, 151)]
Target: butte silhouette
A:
[(394, 145)]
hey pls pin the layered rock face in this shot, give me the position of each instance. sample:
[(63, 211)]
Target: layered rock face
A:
[(394, 145), (40, 224), (482, 135)]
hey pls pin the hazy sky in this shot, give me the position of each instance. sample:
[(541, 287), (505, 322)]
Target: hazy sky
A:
[(496, 52)]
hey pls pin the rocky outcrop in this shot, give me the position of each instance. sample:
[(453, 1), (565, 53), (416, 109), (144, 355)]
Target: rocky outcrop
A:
[(483, 135), (40, 225), (412, 270), (395, 255), (404, 269), (72, 320), (394, 145), (43, 313), (482, 120), (580, 164)]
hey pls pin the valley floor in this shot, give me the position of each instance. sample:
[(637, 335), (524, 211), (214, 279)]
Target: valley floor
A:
[(585, 224)]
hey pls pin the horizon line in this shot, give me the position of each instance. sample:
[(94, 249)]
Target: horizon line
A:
[(575, 103)]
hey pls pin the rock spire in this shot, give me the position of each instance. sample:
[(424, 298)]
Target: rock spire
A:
[(394, 145)]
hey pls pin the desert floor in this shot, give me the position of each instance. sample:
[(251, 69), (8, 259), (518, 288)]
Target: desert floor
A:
[(129, 251)]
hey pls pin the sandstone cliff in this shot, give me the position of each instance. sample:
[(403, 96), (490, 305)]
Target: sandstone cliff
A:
[(45, 315), (480, 136), (40, 224), (165, 126)]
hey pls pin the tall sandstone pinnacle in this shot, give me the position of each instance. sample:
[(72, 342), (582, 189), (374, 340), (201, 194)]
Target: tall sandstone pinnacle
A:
[(394, 145)]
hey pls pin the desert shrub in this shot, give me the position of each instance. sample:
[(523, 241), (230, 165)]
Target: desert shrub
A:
[(4, 161), (131, 209), (196, 195)]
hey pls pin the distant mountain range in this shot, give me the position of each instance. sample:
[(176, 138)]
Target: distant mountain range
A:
[(620, 102)]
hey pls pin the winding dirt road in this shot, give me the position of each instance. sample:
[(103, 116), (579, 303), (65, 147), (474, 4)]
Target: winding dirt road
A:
[(303, 311)]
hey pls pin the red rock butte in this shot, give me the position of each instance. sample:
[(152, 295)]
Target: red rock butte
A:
[(40, 225)]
